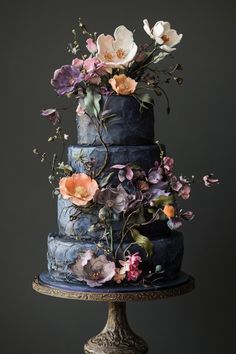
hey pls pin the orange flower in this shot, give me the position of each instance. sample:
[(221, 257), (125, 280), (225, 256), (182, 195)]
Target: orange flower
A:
[(79, 188), (169, 210), (122, 84)]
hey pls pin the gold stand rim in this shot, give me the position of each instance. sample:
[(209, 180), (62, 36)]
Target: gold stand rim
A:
[(178, 290)]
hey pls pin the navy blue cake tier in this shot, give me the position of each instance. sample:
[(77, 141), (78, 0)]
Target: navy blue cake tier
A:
[(63, 250), (129, 124)]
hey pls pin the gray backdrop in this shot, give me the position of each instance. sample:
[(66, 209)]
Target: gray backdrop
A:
[(199, 134)]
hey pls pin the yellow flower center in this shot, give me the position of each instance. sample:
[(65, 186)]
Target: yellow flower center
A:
[(120, 53), (108, 56), (81, 192), (165, 38)]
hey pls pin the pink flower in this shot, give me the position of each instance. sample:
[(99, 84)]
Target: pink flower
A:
[(155, 174), (78, 63), (185, 191), (94, 270), (187, 215), (130, 266), (91, 46), (168, 164), (209, 180)]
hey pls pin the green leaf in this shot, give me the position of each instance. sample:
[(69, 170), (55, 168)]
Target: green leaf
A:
[(159, 57), (91, 102), (105, 180), (137, 218), (142, 241), (162, 200), (145, 98)]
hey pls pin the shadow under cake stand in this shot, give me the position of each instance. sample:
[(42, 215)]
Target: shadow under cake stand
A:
[(117, 336)]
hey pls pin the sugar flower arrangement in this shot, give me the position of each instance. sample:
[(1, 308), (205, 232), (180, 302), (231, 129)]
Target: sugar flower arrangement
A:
[(116, 65)]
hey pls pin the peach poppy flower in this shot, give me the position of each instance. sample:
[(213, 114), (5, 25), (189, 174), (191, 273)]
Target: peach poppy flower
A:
[(78, 188), (122, 84), (169, 211)]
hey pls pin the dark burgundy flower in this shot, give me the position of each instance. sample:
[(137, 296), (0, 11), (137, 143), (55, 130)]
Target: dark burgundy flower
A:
[(66, 79), (125, 172), (209, 180), (52, 115), (115, 198), (187, 215), (176, 185), (168, 164)]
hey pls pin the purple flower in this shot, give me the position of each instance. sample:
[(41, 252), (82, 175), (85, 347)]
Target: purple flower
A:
[(209, 180), (168, 164), (125, 172), (115, 198), (155, 174), (94, 270), (52, 115), (66, 79), (156, 193)]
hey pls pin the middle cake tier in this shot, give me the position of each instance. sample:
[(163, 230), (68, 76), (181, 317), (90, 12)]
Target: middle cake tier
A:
[(144, 156)]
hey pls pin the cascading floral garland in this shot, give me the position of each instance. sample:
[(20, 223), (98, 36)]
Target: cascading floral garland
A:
[(115, 65)]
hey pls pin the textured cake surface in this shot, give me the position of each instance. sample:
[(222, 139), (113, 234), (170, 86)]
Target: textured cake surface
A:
[(129, 124)]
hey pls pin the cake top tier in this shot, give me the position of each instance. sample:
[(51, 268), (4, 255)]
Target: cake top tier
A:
[(123, 123)]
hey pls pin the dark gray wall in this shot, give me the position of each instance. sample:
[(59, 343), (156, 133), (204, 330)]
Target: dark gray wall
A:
[(199, 133)]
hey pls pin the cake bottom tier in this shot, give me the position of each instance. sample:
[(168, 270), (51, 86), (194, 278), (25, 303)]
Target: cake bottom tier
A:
[(64, 250)]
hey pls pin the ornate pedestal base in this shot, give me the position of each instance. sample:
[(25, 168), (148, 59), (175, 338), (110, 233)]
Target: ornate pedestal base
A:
[(117, 337)]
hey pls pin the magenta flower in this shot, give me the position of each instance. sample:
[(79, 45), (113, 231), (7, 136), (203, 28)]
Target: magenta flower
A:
[(52, 115), (131, 266), (94, 270), (184, 192), (66, 79), (209, 181), (168, 165), (115, 198), (125, 172)]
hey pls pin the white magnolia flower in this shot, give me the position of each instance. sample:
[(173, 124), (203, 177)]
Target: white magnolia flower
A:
[(163, 35), (118, 51)]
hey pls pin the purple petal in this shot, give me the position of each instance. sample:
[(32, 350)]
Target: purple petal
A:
[(129, 173), (118, 166)]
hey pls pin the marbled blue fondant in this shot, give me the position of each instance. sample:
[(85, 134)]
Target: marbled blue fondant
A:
[(144, 156), (128, 126), (63, 251)]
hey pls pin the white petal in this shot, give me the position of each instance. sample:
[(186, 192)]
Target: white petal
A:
[(146, 28), (104, 43), (174, 38), (123, 38), (167, 49), (158, 30), (166, 25)]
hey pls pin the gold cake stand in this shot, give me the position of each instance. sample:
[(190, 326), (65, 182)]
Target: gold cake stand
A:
[(117, 336)]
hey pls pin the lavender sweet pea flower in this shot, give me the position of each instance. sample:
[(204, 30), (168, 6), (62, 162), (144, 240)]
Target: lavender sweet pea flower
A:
[(155, 174), (209, 181), (66, 79), (52, 115), (176, 185), (184, 192)]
